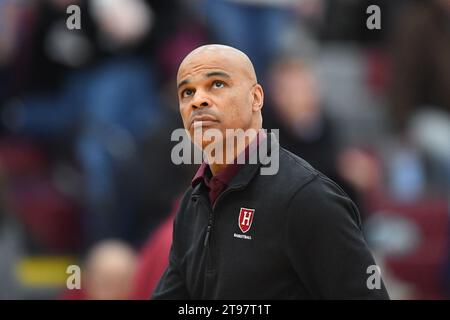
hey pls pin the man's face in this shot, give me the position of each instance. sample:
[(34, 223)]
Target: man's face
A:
[(215, 90)]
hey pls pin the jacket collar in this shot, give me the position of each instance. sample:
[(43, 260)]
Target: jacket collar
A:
[(248, 170)]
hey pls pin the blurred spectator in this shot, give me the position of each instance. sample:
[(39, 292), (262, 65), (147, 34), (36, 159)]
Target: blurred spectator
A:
[(429, 130), (295, 107), (110, 269), (419, 95), (107, 273), (362, 169), (420, 52)]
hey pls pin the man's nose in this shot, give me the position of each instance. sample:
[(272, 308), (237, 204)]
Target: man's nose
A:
[(200, 101)]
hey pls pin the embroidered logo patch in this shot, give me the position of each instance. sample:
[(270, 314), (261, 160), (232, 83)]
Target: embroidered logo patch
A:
[(245, 219)]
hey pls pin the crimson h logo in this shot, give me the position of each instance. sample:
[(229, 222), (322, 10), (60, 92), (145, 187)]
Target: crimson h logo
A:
[(245, 219)]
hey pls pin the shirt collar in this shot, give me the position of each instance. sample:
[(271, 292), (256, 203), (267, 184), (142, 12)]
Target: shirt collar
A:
[(225, 176), (200, 175)]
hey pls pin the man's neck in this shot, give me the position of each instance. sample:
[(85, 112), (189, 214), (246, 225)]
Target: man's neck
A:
[(237, 149)]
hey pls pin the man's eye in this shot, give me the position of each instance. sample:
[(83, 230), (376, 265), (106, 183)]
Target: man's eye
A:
[(218, 84), (187, 93)]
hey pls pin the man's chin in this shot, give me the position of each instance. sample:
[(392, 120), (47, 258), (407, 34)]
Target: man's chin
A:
[(203, 144), (203, 136)]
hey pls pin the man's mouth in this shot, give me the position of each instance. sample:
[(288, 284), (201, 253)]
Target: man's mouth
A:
[(203, 121)]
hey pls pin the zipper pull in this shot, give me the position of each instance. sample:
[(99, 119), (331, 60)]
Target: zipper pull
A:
[(208, 231)]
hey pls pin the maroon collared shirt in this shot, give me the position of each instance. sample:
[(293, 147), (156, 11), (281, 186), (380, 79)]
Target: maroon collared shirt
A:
[(218, 183)]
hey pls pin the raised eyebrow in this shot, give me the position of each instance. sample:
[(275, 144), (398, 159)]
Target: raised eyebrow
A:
[(182, 83), (208, 75), (218, 74)]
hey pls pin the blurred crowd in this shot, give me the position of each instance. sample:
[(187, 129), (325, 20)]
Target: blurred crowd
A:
[(86, 117)]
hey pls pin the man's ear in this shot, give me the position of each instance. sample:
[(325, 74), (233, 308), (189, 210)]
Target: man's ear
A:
[(258, 97)]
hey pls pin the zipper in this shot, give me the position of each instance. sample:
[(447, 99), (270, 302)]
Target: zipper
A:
[(211, 214), (208, 232), (209, 269)]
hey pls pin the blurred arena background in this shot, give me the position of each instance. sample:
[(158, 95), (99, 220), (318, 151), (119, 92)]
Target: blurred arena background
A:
[(86, 116)]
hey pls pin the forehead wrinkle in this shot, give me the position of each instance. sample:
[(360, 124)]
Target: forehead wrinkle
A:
[(192, 73), (196, 69)]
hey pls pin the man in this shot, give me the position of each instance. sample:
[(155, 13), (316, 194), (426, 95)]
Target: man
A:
[(240, 234)]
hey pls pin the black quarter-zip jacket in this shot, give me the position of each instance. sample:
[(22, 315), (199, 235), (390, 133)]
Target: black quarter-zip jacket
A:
[(304, 241)]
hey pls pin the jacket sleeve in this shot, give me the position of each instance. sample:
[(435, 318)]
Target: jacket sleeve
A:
[(171, 286), (325, 244)]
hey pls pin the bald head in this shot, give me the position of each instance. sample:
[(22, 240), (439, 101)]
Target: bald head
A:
[(217, 55)]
